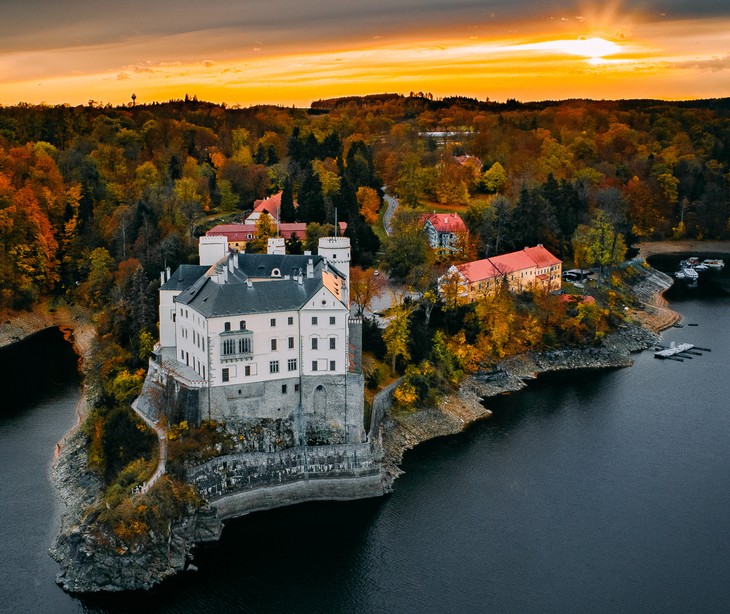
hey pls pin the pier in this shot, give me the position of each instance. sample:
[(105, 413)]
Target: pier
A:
[(679, 352)]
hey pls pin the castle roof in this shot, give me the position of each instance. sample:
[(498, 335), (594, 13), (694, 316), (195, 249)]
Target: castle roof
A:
[(260, 283), (185, 276)]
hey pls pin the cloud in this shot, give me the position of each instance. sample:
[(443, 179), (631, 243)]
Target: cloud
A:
[(122, 76), (715, 64)]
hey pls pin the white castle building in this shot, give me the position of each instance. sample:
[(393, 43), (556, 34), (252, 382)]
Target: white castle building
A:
[(265, 339)]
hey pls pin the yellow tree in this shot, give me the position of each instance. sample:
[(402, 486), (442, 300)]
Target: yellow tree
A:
[(264, 231), (397, 334)]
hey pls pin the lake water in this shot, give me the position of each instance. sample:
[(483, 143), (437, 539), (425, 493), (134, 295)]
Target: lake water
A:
[(591, 492)]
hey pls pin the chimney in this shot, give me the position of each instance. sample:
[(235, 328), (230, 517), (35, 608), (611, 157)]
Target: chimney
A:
[(249, 283), (167, 273), (235, 260), (310, 269), (162, 278), (300, 277)]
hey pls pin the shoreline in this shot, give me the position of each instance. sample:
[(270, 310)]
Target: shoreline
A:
[(457, 412), (399, 433)]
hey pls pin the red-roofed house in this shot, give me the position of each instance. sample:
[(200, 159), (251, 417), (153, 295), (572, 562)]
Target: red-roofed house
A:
[(238, 235), (445, 231), (529, 268), (270, 205)]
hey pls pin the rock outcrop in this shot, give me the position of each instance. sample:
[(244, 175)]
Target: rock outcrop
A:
[(92, 560)]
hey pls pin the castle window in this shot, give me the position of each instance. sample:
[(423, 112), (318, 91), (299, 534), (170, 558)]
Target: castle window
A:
[(333, 343), (242, 325), (314, 320), (332, 320), (224, 375), (291, 343), (314, 365), (273, 366), (273, 322), (273, 345), (236, 344), (247, 370), (315, 343), (290, 320), (227, 326), (333, 367), (292, 364), (296, 387), (283, 389)]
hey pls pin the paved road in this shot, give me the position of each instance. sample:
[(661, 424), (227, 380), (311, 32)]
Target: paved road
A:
[(392, 203)]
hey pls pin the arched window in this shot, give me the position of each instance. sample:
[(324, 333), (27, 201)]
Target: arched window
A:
[(320, 401)]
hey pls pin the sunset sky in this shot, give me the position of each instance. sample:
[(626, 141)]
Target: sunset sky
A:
[(296, 51)]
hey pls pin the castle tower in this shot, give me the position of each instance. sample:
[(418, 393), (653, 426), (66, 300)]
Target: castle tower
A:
[(337, 252), (212, 249)]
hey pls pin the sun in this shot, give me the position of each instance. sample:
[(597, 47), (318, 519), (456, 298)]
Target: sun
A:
[(592, 48)]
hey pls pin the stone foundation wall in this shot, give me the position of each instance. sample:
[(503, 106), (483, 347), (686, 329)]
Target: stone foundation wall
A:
[(240, 483)]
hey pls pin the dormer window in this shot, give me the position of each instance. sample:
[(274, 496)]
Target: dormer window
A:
[(275, 273)]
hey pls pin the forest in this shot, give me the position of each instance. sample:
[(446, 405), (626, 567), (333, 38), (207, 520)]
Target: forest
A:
[(96, 200)]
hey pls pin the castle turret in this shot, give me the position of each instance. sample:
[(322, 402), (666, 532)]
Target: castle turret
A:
[(211, 249), (337, 252)]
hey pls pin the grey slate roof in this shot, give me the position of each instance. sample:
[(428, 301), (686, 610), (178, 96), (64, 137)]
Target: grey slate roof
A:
[(184, 276), (237, 298), (264, 294), (261, 265)]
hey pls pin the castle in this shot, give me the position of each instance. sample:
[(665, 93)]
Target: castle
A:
[(267, 336), (265, 344)]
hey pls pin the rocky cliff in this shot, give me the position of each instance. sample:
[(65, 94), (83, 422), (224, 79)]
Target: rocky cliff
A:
[(92, 559)]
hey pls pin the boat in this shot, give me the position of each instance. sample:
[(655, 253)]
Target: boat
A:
[(687, 273), (689, 263), (714, 263)]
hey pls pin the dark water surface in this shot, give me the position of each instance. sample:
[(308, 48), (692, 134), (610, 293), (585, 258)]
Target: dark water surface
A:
[(40, 391), (589, 492)]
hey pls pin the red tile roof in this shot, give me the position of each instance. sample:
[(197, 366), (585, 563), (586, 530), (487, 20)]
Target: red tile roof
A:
[(506, 264), (446, 222), (510, 263), (239, 232), (270, 205), (541, 256)]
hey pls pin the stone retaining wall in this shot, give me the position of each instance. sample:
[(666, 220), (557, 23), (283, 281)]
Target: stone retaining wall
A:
[(238, 484)]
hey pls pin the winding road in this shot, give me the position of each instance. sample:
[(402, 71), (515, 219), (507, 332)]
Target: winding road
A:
[(392, 203)]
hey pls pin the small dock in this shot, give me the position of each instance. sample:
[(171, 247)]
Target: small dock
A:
[(679, 352)]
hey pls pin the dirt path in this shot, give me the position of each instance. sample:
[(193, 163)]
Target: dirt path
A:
[(162, 458)]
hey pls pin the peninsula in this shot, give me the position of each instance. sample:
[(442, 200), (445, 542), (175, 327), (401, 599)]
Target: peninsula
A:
[(274, 453)]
